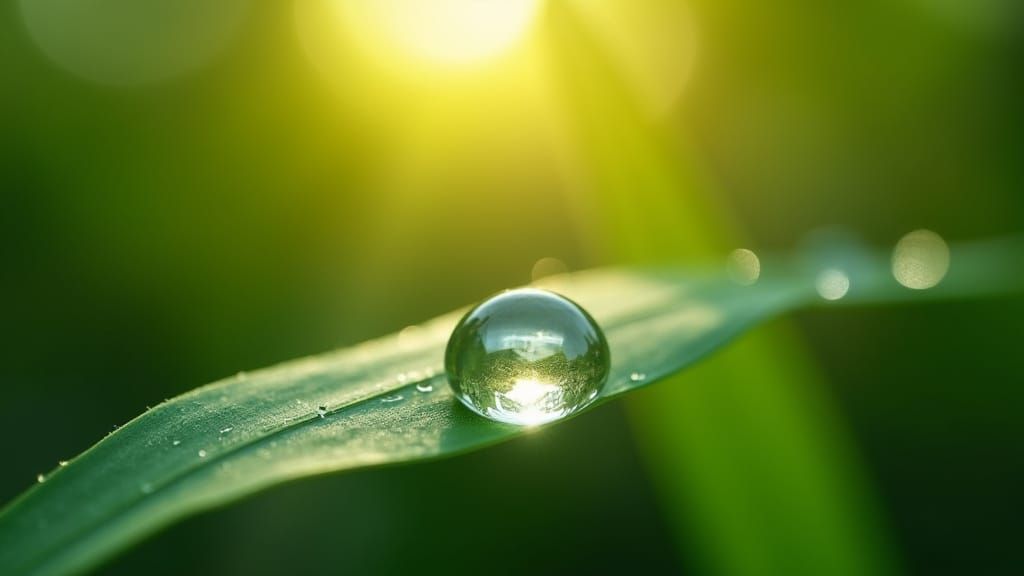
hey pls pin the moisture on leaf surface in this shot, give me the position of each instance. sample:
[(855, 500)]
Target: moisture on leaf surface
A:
[(386, 402)]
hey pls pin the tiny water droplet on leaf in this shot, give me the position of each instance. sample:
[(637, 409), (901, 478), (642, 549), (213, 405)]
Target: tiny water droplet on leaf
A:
[(392, 398), (202, 453), (637, 377), (527, 357), (424, 387)]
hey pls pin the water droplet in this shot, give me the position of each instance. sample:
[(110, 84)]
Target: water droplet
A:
[(832, 284), (527, 357), (40, 478), (637, 377), (62, 463), (176, 443), (409, 335), (424, 387), (392, 398), (744, 267), (920, 260), (226, 430), (146, 488), (202, 453), (321, 411)]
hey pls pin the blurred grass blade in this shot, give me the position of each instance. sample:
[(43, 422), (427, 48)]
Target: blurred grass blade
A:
[(234, 437), (806, 508)]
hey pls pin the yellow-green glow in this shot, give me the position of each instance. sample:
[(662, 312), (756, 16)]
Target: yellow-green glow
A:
[(446, 32)]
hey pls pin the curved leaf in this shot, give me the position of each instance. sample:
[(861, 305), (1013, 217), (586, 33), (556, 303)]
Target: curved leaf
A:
[(386, 402)]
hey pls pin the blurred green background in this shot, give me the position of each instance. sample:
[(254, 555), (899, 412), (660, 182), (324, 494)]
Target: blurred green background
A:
[(191, 189)]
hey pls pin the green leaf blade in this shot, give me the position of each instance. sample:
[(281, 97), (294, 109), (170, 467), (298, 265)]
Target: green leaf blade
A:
[(240, 435)]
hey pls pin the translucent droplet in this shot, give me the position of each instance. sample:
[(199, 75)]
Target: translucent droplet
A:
[(637, 377), (226, 430), (62, 463), (40, 478), (202, 453), (424, 387), (527, 357), (920, 260), (832, 284), (176, 443), (321, 411), (409, 335), (744, 267), (392, 398)]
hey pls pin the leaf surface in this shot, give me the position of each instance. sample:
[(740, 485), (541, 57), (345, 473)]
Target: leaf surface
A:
[(386, 401)]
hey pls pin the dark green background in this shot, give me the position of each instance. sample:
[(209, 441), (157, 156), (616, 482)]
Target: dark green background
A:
[(158, 237)]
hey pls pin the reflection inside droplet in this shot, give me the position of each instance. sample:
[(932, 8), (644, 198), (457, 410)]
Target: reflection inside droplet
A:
[(744, 266), (920, 260), (832, 284), (527, 357), (529, 401)]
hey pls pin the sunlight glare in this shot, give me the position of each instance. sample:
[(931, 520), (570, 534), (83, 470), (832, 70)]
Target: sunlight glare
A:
[(451, 32)]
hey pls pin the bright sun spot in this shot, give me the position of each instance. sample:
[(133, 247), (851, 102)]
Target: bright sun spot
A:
[(530, 392), (447, 31)]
